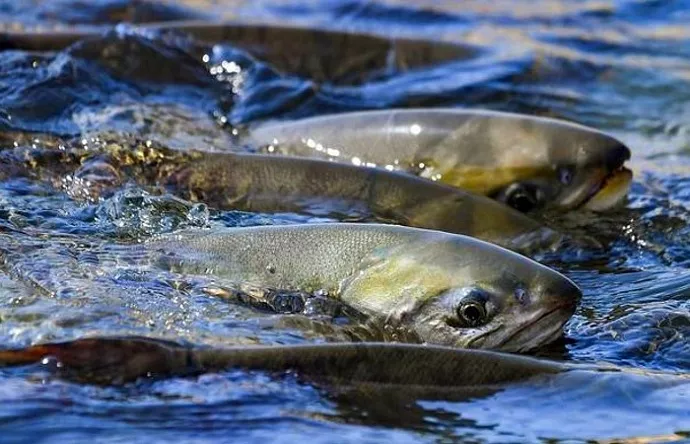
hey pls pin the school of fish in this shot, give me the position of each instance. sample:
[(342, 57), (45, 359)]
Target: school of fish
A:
[(458, 190)]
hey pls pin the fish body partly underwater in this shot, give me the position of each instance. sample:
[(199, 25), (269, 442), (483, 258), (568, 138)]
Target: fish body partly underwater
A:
[(271, 184), (525, 161), (336, 57), (117, 360), (446, 289), (276, 183)]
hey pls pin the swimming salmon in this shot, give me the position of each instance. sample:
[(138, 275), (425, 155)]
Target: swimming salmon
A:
[(524, 161), (447, 289)]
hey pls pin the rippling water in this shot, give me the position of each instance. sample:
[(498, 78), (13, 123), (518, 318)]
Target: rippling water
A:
[(623, 67)]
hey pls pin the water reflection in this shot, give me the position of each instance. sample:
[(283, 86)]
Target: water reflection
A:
[(577, 405), (622, 67)]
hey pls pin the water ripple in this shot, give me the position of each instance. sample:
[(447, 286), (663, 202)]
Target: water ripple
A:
[(623, 67)]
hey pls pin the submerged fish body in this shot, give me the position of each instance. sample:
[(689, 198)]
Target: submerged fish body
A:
[(447, 289), (332, 56), (116, 360), (276, 183), (525, 161), (264, 183)]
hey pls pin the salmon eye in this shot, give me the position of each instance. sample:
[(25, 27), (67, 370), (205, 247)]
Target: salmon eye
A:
[(471, 313), (467, 307), (522, 197)]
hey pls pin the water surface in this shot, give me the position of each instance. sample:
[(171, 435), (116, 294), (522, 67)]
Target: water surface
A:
[(623, 67)]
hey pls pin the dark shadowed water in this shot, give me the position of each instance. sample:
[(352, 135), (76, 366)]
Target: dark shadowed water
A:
[(621, 66)]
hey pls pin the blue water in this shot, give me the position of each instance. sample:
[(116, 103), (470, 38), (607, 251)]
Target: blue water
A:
[(622, 66)]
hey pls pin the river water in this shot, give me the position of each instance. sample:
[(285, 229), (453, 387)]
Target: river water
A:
[(620, 66)]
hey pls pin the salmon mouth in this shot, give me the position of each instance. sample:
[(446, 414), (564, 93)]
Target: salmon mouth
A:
[(542, 331), (611, 191), (544, 328)]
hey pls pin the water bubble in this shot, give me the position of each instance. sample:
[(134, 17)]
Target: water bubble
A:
[(134, 213)]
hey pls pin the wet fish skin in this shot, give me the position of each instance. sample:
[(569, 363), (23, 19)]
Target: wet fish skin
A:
[(413, 278), (322, 55), (272, 184), (275, 183), (119, 360), (561, 164)]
